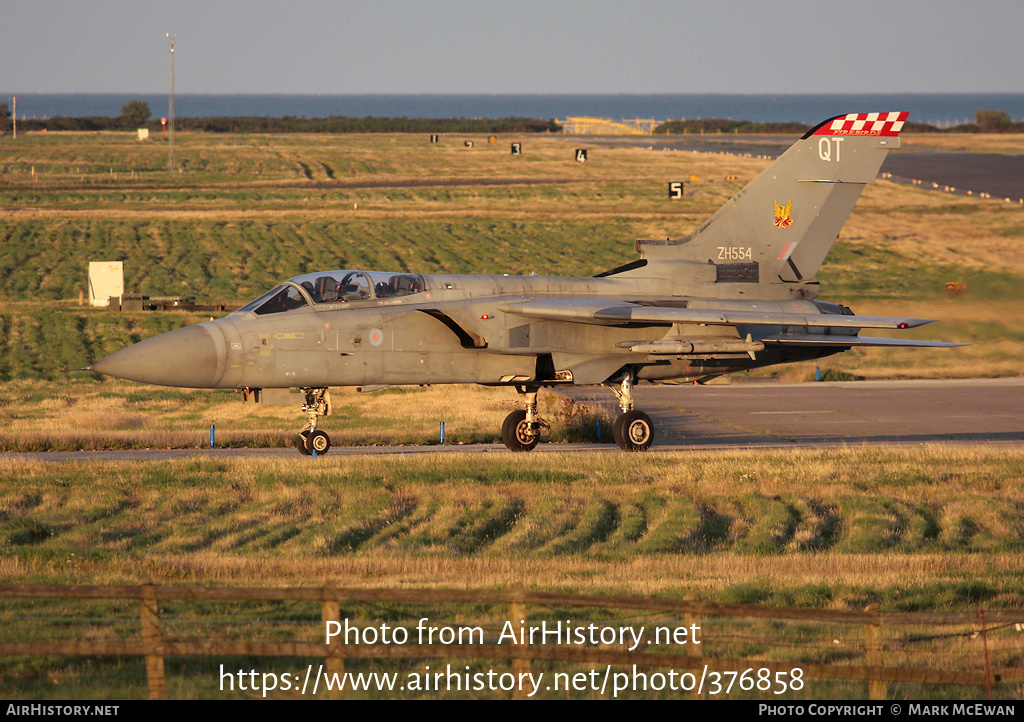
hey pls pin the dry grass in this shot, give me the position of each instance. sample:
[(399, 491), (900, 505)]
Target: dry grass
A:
[(930, 229), (863, 523), (966, 142), (661, 575), (120, 414)]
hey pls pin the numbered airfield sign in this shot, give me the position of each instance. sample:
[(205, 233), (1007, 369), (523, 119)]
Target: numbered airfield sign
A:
[(675, 190)]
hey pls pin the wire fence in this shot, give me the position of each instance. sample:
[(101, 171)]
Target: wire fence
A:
[(363, 640)]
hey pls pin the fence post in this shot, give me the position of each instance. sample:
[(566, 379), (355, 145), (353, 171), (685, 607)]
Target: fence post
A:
[(150, 616), (988, 666), (520, 664), (875, 653), (330, 612), (694, 652)]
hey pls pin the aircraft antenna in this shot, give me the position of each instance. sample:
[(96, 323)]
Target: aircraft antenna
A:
[(170, 110)]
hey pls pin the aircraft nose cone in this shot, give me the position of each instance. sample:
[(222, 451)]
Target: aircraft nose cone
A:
[(189, 357)]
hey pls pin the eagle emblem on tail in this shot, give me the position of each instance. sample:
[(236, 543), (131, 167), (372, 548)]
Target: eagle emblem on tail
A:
[(783, 214)]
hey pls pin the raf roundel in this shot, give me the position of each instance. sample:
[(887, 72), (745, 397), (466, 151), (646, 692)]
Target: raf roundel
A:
[(376, 337)]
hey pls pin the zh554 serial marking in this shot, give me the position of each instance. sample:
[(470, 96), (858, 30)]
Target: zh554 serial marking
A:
[(735, 294)]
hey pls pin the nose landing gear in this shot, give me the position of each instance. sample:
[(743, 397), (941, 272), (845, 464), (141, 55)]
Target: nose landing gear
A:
[(311, 439), (522, 428)]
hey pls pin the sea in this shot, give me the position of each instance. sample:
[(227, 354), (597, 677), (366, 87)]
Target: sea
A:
[(938, 109)]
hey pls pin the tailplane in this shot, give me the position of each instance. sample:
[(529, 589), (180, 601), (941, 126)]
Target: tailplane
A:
[(780, 227)]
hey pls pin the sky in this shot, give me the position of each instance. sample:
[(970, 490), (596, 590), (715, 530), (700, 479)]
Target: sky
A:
[(512, 46)]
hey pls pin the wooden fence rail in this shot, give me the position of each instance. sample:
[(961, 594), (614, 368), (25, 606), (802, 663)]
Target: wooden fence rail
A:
[(154, 648)]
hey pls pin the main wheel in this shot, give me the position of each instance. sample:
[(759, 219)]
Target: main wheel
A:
[(516, 433), (319, 442), (633, 431), (300, 442), (617, 428)]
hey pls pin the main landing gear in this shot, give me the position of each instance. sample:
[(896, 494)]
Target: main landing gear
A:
[(312, 439), (633, 430)]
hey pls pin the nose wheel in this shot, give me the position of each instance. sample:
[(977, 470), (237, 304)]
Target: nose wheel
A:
[(310, 439), (522, 428), (517, 433)]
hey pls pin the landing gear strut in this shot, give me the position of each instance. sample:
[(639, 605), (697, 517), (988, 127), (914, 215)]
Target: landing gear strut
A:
[(310, 439), (522, 428), (633, 430)]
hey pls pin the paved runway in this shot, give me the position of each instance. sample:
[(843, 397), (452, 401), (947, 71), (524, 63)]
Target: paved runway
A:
[(821, 414), (1000, 175), (743, 415)]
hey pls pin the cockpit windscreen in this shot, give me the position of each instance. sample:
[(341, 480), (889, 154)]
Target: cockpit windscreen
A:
[(335, 287)]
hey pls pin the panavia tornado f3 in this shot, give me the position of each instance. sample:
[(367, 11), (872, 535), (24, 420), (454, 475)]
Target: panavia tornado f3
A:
[(737, 293)]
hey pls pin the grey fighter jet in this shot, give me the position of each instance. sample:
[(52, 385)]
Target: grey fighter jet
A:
[(737, 293)]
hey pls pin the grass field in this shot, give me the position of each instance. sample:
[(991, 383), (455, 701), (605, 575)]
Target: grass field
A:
[(935, 528), (126, 415), (932, 528), (660, 523)]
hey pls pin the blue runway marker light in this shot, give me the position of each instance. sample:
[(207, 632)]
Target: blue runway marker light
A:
[(211, 436)]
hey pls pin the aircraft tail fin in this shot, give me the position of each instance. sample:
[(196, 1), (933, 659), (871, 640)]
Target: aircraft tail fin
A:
[(780, 227)]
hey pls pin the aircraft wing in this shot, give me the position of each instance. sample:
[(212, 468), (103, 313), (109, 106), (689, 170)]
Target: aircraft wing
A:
[(818, 339), (604, 313)]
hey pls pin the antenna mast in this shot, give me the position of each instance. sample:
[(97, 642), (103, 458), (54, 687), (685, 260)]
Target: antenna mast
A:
[(170, 110)]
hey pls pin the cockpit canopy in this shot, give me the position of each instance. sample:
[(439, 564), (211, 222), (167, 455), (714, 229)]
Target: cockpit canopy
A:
[(335, 287)]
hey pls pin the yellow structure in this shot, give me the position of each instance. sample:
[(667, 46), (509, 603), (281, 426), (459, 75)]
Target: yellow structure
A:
[(582, 125)]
